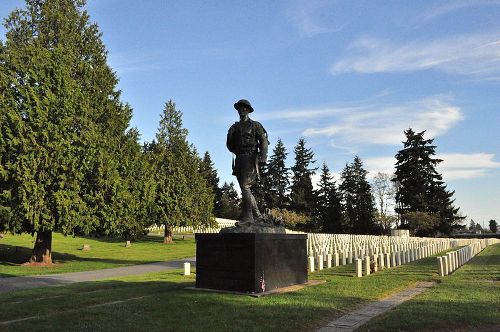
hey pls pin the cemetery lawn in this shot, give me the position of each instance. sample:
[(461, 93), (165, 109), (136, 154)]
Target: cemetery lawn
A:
[(469, 299), (158, 302), (104, 253)]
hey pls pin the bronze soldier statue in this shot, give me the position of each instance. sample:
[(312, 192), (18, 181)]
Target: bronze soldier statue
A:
[(247, 139)]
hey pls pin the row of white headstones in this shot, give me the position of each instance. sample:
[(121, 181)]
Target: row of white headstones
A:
[(455, 259), (220, 223), (372, 253)]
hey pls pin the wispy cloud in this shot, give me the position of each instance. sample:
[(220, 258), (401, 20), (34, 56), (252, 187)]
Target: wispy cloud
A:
[(455, 5), (466, 166), (455, 166), (385, 124), (477, 54), (308, 113), (164, 58), (306, 15)]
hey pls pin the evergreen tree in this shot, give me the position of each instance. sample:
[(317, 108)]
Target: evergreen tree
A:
[(472, 224), (277, 180), (62, 122), (357, 200), (260, 188), (229, 207), (302, 197), (132, 203), (209, 172), (420, 188), (183, 196), (347, 189), (493, 225), (328, 209)]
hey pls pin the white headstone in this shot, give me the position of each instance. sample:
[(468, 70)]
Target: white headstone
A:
[(367, 265), (359, 267)]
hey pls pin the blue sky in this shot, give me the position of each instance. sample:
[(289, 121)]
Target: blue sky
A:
[(349, 76)]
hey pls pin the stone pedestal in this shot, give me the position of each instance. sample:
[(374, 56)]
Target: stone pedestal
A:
[(244, 262)]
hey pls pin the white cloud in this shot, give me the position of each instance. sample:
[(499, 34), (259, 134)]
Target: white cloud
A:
[(477, 54), (306, 15), (455, 166), (307, 114), (385, 124), (379, 164), (455, 6)]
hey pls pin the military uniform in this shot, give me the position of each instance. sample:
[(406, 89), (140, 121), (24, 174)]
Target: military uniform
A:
[(248, 141)]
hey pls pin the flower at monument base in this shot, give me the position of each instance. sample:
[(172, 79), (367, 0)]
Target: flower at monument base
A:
[(262, 282)]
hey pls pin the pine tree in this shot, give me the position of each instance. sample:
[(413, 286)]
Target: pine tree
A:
[(131, 204), (415, 173), (229, 207), (302, 197), (493, 225), (183, 196), (347, 189), (358, 204), (420, 188), (209, 173), (472, 224), (62, 118), (328, 209), (277, 177)]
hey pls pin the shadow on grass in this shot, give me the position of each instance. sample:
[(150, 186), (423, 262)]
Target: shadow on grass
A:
[(165, 305), (13, 255), (142, 239), (16, 255), (486, 259)]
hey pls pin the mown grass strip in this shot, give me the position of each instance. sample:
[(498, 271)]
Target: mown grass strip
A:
[(468, 299), (165, 305), (168, 305), (103, 253)]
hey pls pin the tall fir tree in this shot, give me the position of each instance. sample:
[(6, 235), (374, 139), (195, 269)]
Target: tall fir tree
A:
[(302, 196), (260, 188), (277, 177), (420, 188), (328, 208), (347, 189), (358, 204), (183, 196), (132, 203), (62, 122), (208, 171), (229, 207)]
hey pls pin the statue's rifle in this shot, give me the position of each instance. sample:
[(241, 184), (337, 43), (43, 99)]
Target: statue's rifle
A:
[(257, 171)]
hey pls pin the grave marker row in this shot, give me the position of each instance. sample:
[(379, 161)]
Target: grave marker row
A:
[(450, 262)]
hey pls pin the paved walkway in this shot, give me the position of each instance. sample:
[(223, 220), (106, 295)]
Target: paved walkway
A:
[(355, 319), (18, 283)]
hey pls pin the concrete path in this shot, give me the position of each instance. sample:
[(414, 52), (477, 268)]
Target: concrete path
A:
[(18, 283), (357, 318)]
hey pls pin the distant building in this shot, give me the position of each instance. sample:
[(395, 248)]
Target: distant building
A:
[(400, 232)]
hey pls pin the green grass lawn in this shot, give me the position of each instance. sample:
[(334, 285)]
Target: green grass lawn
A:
[(469, 299), (104, 253), (159, 302)]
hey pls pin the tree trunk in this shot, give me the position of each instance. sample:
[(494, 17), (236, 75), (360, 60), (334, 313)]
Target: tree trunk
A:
[(167, 238), (42, 252)]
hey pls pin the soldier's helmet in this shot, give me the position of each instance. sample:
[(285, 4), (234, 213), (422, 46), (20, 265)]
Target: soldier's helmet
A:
[(243, 102)]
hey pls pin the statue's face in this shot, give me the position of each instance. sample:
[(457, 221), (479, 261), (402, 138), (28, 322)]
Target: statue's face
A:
[(243, 112)]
